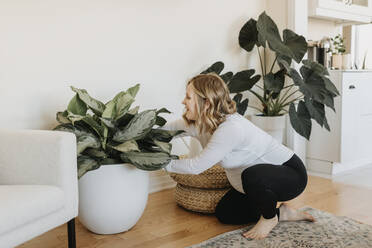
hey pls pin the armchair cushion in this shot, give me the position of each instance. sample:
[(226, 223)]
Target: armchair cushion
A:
[(22, 204)]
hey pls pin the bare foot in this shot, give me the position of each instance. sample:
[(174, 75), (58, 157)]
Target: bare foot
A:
[(262, 228), (286, 213)]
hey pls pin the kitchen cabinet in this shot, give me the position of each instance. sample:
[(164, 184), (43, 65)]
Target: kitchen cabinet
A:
[(359, 11), (349, 144)]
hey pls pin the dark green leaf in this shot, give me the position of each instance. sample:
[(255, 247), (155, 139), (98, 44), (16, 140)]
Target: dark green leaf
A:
[(300, 119), (227, 76), (216, 68), (296, 43), (147, 161), (316, 110), (243, 81), (86, 164), (138, 127), (160, 121), (62, 117), (97, 106), (163, 110), (248, 35), (77, 106)]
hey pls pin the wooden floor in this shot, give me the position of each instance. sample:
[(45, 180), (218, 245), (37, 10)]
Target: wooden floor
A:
[(164, 224)]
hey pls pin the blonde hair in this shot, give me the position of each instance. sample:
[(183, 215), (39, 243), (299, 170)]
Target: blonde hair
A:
[(210, 87)]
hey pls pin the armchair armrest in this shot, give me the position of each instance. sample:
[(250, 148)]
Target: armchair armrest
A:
[(38, 157)]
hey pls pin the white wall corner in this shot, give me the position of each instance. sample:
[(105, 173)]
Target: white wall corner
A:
[(297, 21)]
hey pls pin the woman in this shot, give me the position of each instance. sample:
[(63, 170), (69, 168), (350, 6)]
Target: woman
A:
[(260, 169)]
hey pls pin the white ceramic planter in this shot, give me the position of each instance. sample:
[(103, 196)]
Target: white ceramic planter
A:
[(112, 198), (273, 125)]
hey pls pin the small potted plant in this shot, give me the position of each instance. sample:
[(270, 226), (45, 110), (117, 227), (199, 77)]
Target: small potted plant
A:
[(305, 96), (116, 146), (338, 50)]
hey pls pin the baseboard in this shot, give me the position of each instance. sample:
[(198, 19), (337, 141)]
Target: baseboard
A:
[(160, 180), (329, 169)]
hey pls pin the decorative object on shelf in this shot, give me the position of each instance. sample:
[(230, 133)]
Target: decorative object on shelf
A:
[(324, 52), (338, 49), (311, 89), (118, 146)]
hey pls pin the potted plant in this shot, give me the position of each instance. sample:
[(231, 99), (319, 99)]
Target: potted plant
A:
[(305, 96), (116, 145), (338, 50)]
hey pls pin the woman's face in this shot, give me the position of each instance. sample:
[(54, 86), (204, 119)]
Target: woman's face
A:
[(190, 103)]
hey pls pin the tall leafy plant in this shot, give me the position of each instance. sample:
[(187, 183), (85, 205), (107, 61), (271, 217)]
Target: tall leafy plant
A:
[(310, 88), (113, 133)]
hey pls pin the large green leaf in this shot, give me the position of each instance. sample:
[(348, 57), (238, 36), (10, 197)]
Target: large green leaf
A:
[(284, 61), (296, 43), (110, 110), (96, 153), (243, 81), (96, 126), (227, 76), (268, 31), (241, 106), (163, 110), (95, 105), (164, 146), (125, 119), (164, 135), (127, 146), (77, 106), (315, 66), (134, 90), (316, 110), (62, 117), (160, 121), (274, 82), (86, 164), (217, 68), (313, 86), (300, 119), (330, 86), (74, 118), (147, 160), (85, 141), (248, 35), (123, 103), (138, 127)]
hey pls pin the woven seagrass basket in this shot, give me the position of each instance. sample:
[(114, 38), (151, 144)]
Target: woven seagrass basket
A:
[(198, 200), (213, 178)]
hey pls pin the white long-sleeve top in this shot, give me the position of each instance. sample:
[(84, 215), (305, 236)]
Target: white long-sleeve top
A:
[(236, 144)]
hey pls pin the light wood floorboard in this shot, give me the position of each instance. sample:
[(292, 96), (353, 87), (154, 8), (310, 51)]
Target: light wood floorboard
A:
[(164, 224)]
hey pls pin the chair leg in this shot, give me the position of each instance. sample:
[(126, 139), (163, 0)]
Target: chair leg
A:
[(71, 234)]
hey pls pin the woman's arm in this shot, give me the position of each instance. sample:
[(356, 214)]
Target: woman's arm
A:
[(223, 141), (180, 125)]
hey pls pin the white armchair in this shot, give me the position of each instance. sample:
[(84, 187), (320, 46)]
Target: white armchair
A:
[(38, 184)]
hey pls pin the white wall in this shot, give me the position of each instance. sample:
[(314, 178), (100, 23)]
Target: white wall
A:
[(108, 46), (317, 29), (363, 45)]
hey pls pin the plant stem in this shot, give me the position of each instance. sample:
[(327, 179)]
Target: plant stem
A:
[(273, 64), (289, 86), (283, 102), (259, 86), (259, 55)]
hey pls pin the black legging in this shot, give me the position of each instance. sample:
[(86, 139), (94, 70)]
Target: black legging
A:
[(264, 185)]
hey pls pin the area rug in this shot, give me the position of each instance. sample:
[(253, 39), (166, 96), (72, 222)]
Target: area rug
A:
[(329, 231)]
